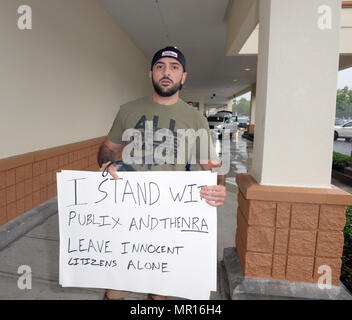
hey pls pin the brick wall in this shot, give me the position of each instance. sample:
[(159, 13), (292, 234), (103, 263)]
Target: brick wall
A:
[(289, 240), (346, 4), (28, 180)]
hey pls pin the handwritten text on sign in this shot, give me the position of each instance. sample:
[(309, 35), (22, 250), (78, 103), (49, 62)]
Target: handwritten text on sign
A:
[(145, 232)]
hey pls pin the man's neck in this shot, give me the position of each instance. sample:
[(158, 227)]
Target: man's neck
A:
[(167, 101)]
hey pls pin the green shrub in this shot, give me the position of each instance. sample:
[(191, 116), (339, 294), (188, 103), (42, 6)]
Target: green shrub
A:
[(340, 161), (346, 271), (348, 227)]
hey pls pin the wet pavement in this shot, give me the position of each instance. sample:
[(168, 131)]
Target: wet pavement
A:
[(342, 146), (241, 151)]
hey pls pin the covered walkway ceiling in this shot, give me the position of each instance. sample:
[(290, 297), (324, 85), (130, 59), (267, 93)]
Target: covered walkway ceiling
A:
[(198, 28)]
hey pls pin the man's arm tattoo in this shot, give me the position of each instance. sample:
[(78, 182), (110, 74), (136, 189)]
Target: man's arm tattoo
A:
[(105, 155)]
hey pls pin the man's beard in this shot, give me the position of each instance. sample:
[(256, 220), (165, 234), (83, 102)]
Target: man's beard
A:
[(168, 92)]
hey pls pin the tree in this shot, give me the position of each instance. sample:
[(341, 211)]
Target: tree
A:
[(344, 103), (242, 107)]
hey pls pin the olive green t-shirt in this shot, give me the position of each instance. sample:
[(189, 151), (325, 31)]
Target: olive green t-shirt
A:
[(161, 137)]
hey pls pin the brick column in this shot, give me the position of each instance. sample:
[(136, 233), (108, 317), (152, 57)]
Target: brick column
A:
[(286, 233), (251, 128)]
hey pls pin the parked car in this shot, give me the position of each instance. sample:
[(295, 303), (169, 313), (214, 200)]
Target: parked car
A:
[(214, 121), (218, 123), (224, 113), (339, 122), (343, 131), (243, 122)]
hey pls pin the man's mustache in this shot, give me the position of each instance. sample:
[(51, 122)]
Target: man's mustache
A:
[(165, 78)]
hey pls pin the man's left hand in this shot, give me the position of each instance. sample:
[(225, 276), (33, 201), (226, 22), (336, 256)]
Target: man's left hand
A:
[(214, 195)]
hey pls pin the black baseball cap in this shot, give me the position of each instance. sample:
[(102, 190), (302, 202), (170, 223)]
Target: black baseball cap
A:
[(170, 52)]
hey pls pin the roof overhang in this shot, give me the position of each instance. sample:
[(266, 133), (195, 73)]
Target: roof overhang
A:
[(236, 46)]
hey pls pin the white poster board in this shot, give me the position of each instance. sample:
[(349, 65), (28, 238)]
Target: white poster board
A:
[(148, 232)]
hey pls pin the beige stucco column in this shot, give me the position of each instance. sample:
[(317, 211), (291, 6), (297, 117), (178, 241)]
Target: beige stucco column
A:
[(201, 107), (289, 217), (296, 91), (252, 108), (229, 105), (194, 97)]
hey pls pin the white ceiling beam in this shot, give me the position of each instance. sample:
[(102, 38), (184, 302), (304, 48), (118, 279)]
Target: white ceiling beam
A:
[(242, 20), (250, 47)]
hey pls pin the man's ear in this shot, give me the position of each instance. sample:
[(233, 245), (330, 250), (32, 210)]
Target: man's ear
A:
[(184, 77), (150, 75)]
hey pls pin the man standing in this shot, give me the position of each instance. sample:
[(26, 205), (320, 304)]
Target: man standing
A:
[(164, 110)]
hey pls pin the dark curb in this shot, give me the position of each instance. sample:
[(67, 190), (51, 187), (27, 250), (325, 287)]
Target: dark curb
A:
[(259, 289), (247, 136), (16, 228), (342, 177)]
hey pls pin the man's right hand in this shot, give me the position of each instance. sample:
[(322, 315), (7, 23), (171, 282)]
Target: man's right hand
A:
[(111, 169), (106, 154)]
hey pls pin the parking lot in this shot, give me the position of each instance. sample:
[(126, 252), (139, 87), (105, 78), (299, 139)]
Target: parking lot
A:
[(342, 146)]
